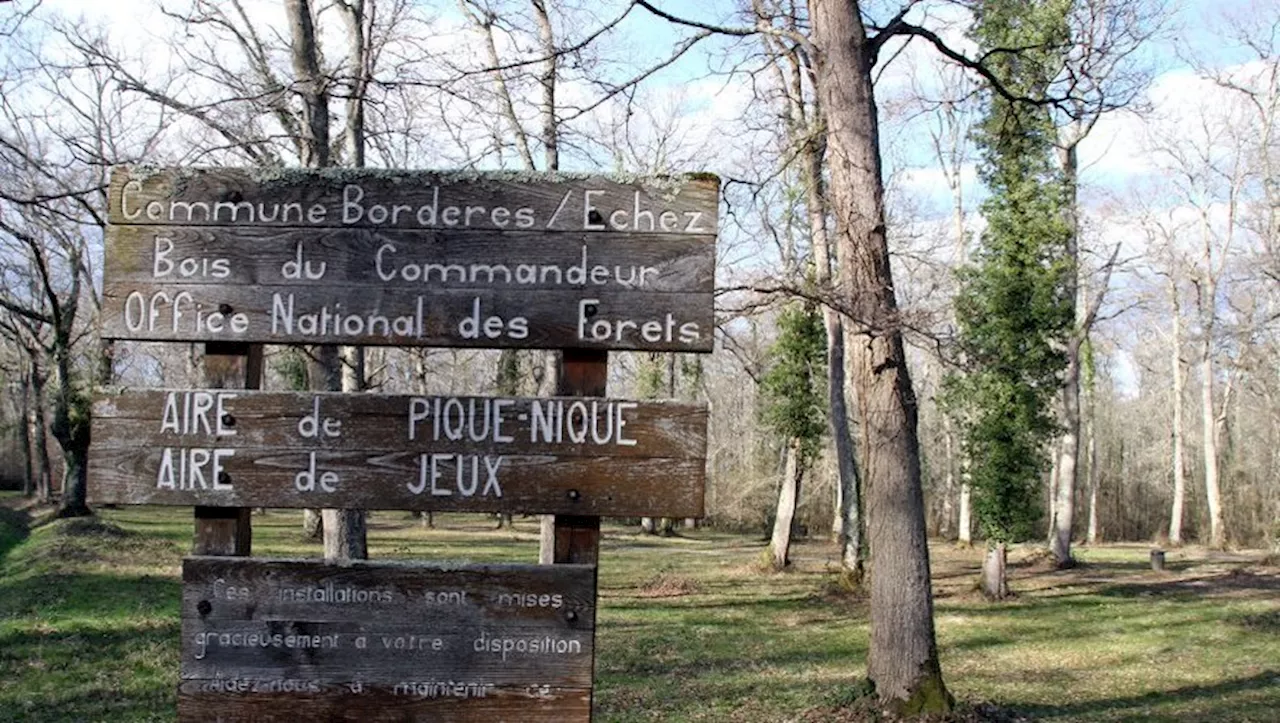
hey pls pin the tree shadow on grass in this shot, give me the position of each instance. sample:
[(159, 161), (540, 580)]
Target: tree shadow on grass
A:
[(14, 525), (1254, 698), (1237, 582)]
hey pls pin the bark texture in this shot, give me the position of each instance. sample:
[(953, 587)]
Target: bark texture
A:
[(343, 530), (1179, 386), (1209, 431), (964, 524), (1067, 465), (903, 660), (995, 584), (788, 498)]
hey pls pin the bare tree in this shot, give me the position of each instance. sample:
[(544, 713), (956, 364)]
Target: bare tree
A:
[(806, 140), (1101, 74)]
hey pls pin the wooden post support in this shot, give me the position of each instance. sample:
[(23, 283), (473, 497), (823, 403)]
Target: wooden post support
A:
[(1157, 560), (583, 373), (227, 531)]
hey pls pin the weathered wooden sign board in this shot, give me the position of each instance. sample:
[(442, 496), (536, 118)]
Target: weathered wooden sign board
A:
[(267, 640), (370, 451), (410, 259), (239, 258)]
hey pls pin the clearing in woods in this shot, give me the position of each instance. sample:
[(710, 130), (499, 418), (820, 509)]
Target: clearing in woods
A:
[(689, 629)]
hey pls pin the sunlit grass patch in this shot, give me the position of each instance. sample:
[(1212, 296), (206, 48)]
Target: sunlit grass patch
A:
[(688, 628)]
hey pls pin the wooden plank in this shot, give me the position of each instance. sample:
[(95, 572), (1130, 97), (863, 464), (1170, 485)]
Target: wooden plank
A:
[(487, 318), (426, 642), (419, 260), (309, 449), (227, 530), (608, 486), (500, 201), (335, 421)]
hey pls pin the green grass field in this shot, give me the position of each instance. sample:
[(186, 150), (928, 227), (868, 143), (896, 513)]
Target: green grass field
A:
[(689, 629)]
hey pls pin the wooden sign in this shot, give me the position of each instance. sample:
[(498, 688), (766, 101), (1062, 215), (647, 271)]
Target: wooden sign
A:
[(303, 449), (267, 640), (411, 259)]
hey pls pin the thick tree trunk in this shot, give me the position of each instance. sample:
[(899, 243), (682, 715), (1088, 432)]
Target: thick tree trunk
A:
[(995, 584), (788, 498), (352, 12), (71, 429), (903, 658), (312, 86), (1208, 418), (345, 537), (1178, 455), (343, 531), (1068, 457), (1066, 480)]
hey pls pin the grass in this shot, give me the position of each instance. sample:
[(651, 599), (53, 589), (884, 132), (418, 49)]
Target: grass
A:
[(689, 628)]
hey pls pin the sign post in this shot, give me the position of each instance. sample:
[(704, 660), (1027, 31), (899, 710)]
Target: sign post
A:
[(237, 259)]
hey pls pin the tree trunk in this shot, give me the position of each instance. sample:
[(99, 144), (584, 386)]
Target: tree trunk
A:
[(848, 517), (1091, 447), (1052, 502), (344, 537), (949, 476), (788, 498), (547, 79), (995, 584), (964, 521), (311, 86), (312, 524), (25, 438), (1067, 478), (903, 657), (343, 530), (547, 540), (1179, 385), (648, 526), (352, 12), (1212, 489), (1068, 457), (71, 429)]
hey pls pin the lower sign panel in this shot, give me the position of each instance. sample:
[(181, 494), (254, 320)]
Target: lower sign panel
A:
[(201, 701), (267, 640)]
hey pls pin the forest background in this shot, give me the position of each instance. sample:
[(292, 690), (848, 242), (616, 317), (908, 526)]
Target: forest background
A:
[(1178, 191)]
